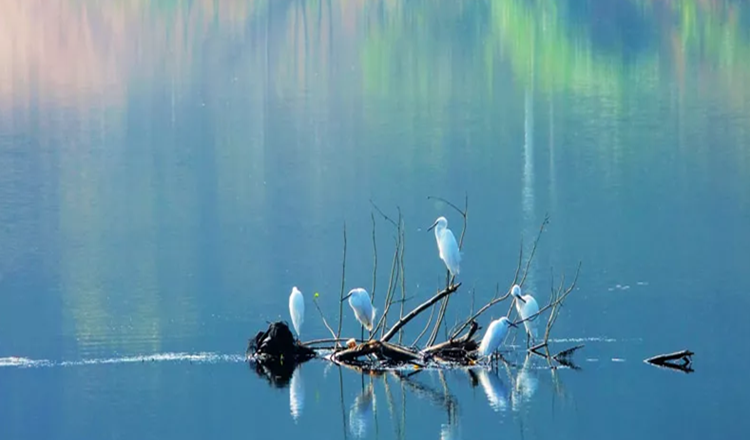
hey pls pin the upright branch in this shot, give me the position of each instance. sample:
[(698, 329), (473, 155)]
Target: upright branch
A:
[(389, 294), (555, 303), (534, 245), (544, 224), (374, 258), (426, 327), (402, 272), (396, 266), (343, 283)]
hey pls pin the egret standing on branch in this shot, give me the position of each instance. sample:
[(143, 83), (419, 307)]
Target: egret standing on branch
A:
[(447, 245), (359, 301), (526, 306), (494, 335), (297, 309)]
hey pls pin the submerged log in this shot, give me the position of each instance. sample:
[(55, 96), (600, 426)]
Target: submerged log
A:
[(679, 360), (461, 350), (381, 350)]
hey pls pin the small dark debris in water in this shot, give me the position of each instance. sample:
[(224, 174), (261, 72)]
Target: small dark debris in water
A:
[(679, 360), (276, 353)]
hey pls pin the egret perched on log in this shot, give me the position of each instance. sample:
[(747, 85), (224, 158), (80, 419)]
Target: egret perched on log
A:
[(526, 306), (494, 335), (447, 245), (359, 301), (297, 309)]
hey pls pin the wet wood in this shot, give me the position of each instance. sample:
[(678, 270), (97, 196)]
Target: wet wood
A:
[(463, 343), (679, 360), (417, 310), (382, 350)]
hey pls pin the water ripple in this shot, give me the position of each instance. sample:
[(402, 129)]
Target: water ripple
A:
[(201, 358)]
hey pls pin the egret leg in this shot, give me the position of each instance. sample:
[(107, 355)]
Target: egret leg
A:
[(362, 334), (528, 339)]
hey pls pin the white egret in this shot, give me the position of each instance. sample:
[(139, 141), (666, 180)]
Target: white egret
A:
[(359, 301), (447, 245), (494, 335), (526, 306), (297, 309)]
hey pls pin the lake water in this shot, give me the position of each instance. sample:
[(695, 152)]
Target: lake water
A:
[(169, 170)]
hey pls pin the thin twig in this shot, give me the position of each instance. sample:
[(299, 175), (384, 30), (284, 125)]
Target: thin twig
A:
[(343, 283), (438, 322), (389, 293), (520, 262), (374, 258), (545, 222), (315, 301), (427, 326), (383, 214), (446, 202), (402, 273), (554, 302), (479, 312)]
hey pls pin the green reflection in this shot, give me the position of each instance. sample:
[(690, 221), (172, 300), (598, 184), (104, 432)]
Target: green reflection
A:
[(419, 65)]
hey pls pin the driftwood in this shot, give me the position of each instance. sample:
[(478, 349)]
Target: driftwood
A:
[(679, 360), (381, 350), (277, 348)]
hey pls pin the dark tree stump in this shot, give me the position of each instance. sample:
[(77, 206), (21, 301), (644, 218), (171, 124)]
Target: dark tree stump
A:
[(276, 353)]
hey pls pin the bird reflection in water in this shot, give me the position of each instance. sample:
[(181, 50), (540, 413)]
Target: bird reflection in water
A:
[(361, 412), (296, 394), (495, 389)]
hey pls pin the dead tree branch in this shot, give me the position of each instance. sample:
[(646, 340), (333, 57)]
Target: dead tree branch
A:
[(374, 258), (679, 360), (333, 335), (417, 310), (343, 283)]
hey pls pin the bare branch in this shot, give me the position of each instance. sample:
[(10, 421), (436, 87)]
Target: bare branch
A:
[(402, 272), (333, 335), (383, 214), (427, 326), (374, 258), (438, 321), (389, 294), (545, 222), (447, 203), (343, 283), (419, 309), (480, 312)]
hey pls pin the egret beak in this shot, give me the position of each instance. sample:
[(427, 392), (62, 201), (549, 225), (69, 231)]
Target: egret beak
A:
[(347, 296), (510, 323), (433, 225), (521, 299)]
